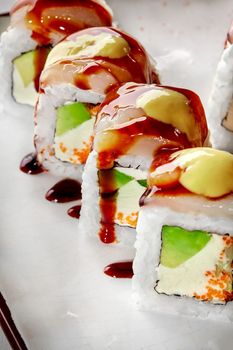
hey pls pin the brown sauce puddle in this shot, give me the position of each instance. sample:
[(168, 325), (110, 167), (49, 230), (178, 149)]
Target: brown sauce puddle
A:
[(120, 269)]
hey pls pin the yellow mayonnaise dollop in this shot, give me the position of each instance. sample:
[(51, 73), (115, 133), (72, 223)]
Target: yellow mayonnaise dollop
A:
[(170, 107), (203, 171), (104, 45)]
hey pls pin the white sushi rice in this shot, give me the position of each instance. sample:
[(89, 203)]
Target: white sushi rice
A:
[(89, 222), (148, 247), (14, 42), (53, 97), (219, 102)]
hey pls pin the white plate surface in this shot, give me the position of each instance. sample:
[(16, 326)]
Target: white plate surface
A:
[(51, 276)]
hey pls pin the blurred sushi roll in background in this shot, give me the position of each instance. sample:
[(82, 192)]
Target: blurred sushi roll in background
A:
[(135, 122), (36, 26), (220, 105), (184, 247), (79, 72)]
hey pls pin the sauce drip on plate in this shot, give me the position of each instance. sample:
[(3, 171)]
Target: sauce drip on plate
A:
[(64, 191), (120, 269), (74, 212), (29, 165)]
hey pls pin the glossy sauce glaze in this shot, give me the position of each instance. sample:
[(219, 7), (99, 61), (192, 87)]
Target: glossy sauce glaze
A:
[(130, 135), (61, 17), (125, 97), (74, 212), (193, 171), (120, 269), (64, 191), (107, 203), (40, 57), (29, 165), (133, 66), (172, 140), (169, 189)]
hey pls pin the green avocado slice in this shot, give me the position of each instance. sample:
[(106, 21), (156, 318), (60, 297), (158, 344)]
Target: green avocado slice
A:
[(121, 179), (143, 183), (111, 180), (70, 116), (179, 245), (25, 67), (30, 64)]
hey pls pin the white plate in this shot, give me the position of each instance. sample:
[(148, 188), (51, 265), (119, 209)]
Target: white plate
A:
[(51, 276)]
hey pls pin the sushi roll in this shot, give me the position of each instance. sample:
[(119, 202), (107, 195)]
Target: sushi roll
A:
[(79, 72), (36, 26), (220, 105), (134, 123), (184, 247)]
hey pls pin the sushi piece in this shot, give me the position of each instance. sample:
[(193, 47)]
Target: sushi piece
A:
[(134, 123), (79, 72), (184, 247), (36, 26), (220, 105)]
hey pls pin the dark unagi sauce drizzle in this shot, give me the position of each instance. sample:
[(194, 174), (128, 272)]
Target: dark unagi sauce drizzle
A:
[(108, 195), (30, 165), (125, 97), (41, 55), (120, 269), (148, 127), (64, 191), (74, 212), (107, 206), (43, 20), (134, 66)]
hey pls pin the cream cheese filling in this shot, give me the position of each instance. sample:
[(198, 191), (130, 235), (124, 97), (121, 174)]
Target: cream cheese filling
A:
[(74, 145), (191, 278), (21, 93), (127, 202)]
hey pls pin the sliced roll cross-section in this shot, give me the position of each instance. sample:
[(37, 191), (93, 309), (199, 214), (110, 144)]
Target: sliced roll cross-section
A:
[(36, 26), (184, 259), (78, 74), (135, 123)]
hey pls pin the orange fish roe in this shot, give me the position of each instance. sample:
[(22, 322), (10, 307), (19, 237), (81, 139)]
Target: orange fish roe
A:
[(222, 254), (62, 147), (105, 159), (228, 240), (219, 281), (130, 220), (42, 151), (93, 109), (81, 155), (51, 151), (216, 287)]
